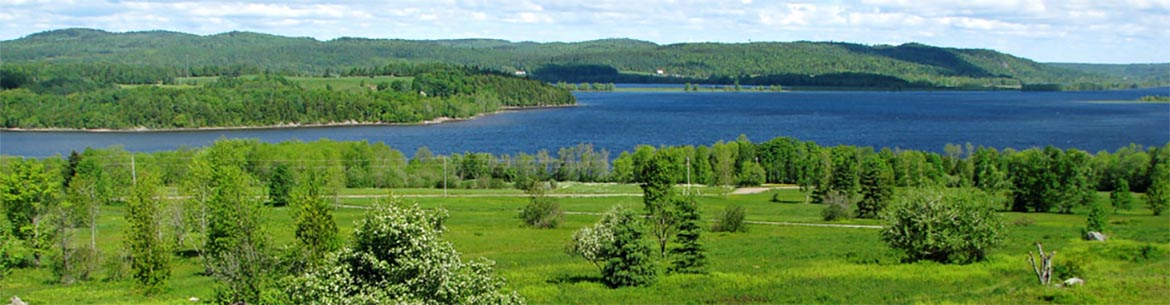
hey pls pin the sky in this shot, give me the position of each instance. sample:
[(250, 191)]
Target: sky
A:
[(1093, 31)]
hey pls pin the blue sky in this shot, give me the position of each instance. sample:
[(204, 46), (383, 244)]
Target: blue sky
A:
[(1098, 31)]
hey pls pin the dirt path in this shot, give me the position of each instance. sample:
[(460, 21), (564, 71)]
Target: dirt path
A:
[(768, 223), (761, 189), (491, 195)]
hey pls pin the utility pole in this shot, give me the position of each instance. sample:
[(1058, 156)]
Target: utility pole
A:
[(686, 191), (444, 176), (133, 171)]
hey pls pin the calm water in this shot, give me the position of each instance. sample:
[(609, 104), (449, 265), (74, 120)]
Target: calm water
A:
[(619, 121)]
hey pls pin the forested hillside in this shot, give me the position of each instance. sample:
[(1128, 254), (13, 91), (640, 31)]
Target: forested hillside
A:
[(1153, 74), (620, 60), (89, 97)]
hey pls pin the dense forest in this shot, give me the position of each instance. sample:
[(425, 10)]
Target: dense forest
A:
[(88, 96), (1140, 73), (603, 61)]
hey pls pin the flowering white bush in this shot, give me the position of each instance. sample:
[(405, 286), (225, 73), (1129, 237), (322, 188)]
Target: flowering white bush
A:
[(398, 256)]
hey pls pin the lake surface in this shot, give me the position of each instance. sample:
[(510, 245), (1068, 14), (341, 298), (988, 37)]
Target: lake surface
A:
[(619, 121)]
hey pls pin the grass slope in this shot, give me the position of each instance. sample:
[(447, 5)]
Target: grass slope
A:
[(768, 264)]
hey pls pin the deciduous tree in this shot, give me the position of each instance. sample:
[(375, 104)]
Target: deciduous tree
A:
[(149, 254)]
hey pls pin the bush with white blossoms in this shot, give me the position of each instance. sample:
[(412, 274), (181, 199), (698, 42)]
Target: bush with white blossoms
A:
[(398, 256)]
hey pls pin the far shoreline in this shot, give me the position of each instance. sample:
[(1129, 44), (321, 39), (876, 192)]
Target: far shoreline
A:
[(350, 123)]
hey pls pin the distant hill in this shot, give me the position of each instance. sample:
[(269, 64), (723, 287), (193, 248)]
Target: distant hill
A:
[(1157, 74), (782, 63)]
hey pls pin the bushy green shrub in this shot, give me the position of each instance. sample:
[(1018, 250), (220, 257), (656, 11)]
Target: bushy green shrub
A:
[(12, 249), (541, 211), (1097, 218), (837, 207), (1120, 197), (942, 226), (730, 220)]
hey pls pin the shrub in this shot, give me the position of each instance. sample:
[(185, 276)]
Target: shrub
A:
[(1023, 221), (615, 245), (1097, 218), (942, 226), (541, 211), (1120, 198), (398, 256), (1068, 268), (836, 207), (731, 220)]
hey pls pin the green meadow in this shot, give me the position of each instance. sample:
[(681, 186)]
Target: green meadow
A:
[(768, 264), (349, 83)]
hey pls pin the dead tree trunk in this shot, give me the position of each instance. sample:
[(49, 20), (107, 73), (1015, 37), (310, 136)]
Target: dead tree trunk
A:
[(1044, 269)]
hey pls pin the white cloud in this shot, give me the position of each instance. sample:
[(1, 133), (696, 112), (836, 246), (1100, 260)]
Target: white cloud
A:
[(1047, 30)]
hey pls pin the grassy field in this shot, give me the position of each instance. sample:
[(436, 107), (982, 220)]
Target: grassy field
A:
[(338, 83), (768, 264)]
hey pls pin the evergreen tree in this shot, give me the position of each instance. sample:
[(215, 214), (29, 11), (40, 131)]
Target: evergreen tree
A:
[(846, 170), (1097, 219), (877, 187), (690, 257), (315, 228), (1158, 194), (280, 184), (1120, 197), (629, 261)]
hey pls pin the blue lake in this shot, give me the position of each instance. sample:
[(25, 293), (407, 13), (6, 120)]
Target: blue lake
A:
[(619, 121)]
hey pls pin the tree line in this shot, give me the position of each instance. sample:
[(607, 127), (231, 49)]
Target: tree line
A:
[(1035, 179), (268, 100)]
